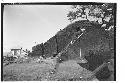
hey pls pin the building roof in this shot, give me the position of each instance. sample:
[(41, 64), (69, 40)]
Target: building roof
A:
[(16, 47)]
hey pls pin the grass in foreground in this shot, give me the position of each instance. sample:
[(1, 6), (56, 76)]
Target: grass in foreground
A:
[(42, 72)]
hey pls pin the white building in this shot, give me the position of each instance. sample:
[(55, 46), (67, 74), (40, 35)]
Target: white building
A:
[(16, 50)]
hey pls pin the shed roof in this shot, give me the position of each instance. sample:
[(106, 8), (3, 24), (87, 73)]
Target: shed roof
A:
[(16, 47)]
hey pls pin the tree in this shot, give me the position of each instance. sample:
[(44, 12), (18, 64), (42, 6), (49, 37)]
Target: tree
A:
[(103, 14), (38, 50)]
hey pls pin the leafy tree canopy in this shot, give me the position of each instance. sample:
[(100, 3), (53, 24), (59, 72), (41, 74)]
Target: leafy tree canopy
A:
[(102, 14)]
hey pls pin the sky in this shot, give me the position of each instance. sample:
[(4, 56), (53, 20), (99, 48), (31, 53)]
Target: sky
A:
[(28, 25)]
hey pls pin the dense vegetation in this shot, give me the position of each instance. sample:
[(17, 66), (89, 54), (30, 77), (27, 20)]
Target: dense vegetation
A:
[(101, 16), (91, 37)]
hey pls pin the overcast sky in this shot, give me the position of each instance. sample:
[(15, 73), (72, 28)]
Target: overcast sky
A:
[(23, 25)]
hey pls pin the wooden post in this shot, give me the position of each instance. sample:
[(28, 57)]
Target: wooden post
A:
[(80, 53)]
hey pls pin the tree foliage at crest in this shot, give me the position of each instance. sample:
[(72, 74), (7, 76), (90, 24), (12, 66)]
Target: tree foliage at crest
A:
[(102, 14)]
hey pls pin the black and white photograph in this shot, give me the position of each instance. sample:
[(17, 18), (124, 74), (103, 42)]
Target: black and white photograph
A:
[(58, 41)]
